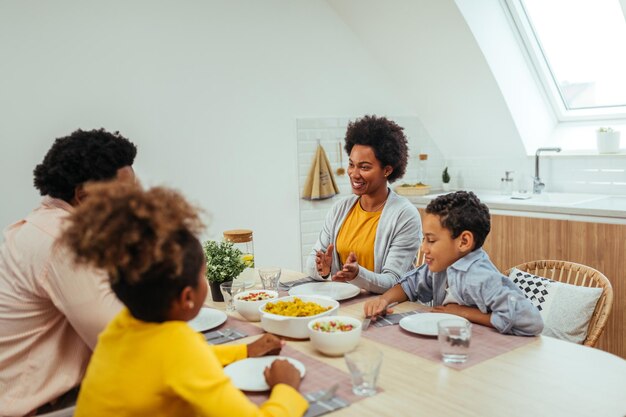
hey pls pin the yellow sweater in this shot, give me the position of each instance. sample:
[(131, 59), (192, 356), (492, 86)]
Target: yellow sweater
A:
[(167, 369), (358, 234)]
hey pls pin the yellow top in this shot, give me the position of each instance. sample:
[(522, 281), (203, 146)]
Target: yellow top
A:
[(357, 234), (167, 369)]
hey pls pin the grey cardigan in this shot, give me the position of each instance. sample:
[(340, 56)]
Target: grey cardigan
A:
[(398, 237)]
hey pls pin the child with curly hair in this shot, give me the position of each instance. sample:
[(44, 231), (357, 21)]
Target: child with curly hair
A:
[(148, 361), (458, 276)]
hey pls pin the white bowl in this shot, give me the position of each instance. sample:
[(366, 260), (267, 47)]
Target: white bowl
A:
[(294, 327), (335, 343), (249, 310)]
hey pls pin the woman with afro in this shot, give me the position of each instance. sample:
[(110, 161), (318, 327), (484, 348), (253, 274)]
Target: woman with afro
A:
[(371, 238)]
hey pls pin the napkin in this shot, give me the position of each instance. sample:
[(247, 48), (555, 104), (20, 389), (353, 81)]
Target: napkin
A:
[(286, 286), (391, 319), (319, 408), (218, 337)]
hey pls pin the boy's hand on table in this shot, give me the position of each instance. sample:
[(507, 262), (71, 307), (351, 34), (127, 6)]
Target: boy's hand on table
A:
[(472, 314), (268, 344), (376, 307)]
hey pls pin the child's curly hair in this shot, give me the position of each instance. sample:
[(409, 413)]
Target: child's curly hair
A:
[(386, 138), (145, 240), (461, 211)]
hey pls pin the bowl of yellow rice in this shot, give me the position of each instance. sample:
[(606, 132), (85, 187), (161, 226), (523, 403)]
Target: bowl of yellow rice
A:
[(290, 316)]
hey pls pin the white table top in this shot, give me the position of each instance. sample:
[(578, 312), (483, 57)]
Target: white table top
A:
[(547, 377)]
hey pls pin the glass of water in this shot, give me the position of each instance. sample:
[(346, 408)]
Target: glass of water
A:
[(229, 290), (454, 340), (269, 278), (364, 366)]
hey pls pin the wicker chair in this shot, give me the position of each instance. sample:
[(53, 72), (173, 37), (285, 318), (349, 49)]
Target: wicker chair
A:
[(581, 275)]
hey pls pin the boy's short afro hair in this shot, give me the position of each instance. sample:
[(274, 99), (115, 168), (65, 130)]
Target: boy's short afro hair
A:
[(461, 211)]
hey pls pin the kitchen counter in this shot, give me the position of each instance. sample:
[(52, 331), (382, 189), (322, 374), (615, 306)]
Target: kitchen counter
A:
[(566, 206)]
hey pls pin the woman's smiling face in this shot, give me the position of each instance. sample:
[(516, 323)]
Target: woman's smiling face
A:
[(366, 173)]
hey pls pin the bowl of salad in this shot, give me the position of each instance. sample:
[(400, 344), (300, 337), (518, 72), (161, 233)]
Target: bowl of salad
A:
[(335, 335), (247, 302)]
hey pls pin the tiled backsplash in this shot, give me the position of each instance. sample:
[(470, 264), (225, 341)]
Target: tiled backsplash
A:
[(331, 132), (601, 174)]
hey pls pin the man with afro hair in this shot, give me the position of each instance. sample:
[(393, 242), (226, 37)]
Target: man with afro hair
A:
[(51, 310)]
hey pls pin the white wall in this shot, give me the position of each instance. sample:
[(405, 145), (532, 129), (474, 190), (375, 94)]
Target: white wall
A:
[(208, 90), (427, 48)]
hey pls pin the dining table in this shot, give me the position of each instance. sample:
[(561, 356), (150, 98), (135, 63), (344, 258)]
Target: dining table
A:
[(537, 376)]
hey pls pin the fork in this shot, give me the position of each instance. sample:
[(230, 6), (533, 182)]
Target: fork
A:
[(366, 322), (326, 395), (220, 334)]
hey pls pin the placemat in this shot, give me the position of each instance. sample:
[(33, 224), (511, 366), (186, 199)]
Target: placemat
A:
[(391, 319), (486, 343), (217, 337), (319, 376), (240, 325), (286, 286)]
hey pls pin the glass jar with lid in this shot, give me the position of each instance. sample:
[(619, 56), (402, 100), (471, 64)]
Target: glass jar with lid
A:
[(242, 240)]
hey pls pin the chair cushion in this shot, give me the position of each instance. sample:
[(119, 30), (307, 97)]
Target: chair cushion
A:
[(565, 309)]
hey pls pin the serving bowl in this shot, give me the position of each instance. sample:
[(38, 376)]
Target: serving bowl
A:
[(294, 327), (249, 309), (332, 338)]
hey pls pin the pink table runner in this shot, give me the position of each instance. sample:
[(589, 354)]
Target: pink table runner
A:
[(486, 343), (241, 325)]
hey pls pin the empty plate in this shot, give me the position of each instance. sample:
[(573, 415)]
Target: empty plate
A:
[(335, 290), (425, 323), (247, 374), (207, 319)]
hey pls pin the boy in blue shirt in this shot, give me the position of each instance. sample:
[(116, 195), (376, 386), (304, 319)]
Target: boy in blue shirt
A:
[(457, 274)]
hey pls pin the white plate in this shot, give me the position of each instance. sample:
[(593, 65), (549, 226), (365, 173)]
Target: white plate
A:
[(425, 323), (247, 374), (207, 319), (335, 290)]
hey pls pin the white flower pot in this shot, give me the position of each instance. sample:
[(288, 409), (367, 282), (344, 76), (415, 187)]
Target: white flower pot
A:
[(445, 186), (608, 142)]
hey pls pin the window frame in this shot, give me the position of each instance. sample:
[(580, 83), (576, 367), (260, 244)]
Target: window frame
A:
[(539, 65)]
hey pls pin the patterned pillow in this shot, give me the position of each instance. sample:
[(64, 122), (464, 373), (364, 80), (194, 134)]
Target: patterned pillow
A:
[(565, 309)]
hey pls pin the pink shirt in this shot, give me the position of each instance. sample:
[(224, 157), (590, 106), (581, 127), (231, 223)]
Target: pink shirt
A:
[(51, 312)]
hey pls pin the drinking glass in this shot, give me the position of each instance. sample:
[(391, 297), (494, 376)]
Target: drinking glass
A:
[(454, 340), (364, 366), (270, 278), (229, 290)]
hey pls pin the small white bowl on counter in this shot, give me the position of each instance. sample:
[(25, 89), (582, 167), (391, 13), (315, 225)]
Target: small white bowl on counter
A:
[(295, 327), (335, 335), (247, 302)]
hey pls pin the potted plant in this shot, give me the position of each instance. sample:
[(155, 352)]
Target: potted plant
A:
[(223, 263), (445, 179), (607, 140)]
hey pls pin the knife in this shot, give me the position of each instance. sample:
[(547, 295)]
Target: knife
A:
[(367, 320)]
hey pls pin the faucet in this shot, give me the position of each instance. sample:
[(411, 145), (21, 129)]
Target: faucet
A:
[(537, 184)]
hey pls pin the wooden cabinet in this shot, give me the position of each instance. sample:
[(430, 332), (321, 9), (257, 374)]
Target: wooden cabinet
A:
[(514, 240)]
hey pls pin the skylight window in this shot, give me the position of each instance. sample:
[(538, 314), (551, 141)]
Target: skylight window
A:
[(579, 50)]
